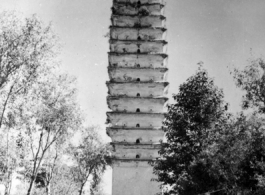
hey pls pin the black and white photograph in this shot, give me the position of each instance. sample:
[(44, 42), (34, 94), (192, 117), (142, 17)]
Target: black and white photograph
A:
[(132, 97)]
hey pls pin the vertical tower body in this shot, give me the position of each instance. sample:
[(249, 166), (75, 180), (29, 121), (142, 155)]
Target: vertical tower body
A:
[(137, 72)]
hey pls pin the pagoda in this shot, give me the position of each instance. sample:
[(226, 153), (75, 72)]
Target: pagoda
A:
[(137, 88)]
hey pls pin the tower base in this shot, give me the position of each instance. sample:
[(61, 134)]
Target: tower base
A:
[(135, 177)]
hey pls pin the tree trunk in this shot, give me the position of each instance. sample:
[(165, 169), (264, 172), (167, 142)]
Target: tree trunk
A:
[(8, 183), (7, 188), (81, 189), (31, 186), (35, 167), (48, 188)]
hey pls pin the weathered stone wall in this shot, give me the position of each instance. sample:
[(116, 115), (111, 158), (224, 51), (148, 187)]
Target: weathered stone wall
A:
[(136, 135), (133, 178), (120, 60), (139, 22), (138, 151), (137, 46), (138, 89), (145, 120), (138, 74), (137, 33), (136, 104), (131, 9)]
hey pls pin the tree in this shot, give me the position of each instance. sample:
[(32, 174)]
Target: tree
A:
[(90, 159), (252, 170), (82, 165), (26, 47), (10, 157), (38, 111), (237, 155), (63, 182), (208, 150), (50, 162), (55, 175), (198, 108), (252, 81), (50, 114)]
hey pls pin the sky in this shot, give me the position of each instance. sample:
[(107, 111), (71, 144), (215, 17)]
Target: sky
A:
[(220, 33)]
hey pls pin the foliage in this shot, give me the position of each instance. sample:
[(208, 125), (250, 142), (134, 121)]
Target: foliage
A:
[(39, 114), (90, 158), (252, 81), (11, 157), (233, 155), (198, 108), (26, 48), (208, 150), (50, 114), (62, 182), (38, 108)]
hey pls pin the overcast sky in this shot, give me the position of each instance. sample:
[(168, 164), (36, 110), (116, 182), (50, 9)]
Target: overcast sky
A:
[(221, 33)]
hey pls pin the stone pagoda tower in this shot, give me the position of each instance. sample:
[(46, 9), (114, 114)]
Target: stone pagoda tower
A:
[(137, 72)]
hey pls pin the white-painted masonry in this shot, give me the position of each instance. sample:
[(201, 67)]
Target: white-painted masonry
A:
[(137, 89)]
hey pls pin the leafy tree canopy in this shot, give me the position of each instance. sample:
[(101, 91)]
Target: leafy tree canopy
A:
[(209, 150), (198, 107), (39, 113)]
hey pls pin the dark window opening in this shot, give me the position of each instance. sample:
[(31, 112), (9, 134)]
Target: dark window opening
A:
[(138, 125), (138, 66), (139, 38), (138, 79), (138, 141), (138, 110), (138, 51), (137, 156), (138, 95)]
